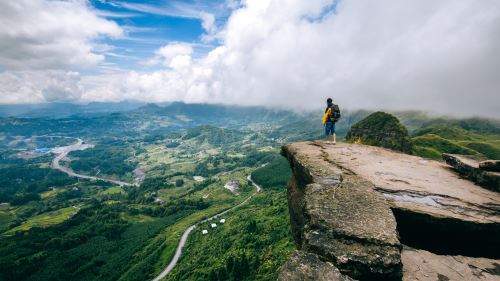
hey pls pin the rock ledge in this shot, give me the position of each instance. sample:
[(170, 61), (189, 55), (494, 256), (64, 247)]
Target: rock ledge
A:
[(340, 217), (350, 206), (484, 173)]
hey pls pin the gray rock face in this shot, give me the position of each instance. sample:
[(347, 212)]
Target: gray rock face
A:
[(434, 207), (348, 202), (302, 266), (422, 265), (482, 173), (339, 216)]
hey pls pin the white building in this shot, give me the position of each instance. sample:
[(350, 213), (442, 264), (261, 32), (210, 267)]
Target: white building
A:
[(222, 220), (213, 225), (204, 232), (159, 201), (198, 178)]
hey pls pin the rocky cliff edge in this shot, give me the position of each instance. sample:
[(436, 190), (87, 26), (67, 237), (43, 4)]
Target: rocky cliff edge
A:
[(367, 213)]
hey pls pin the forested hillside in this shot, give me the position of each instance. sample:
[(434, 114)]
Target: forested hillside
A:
[(474, 137), (175, 163)]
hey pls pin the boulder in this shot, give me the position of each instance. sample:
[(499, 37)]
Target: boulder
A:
[(381, 129), (476, 170), (307, 266), (420, 265), (490, 165)]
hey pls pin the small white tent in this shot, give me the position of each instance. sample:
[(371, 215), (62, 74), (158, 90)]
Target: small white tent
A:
[(213, 225), (222, 221), (204, 232)]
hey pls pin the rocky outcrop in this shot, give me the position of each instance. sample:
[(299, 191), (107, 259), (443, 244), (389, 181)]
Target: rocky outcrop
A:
[(348, 202), (339, 216), (381, 129), (422, 265), (481, 172), (490, 165), (307, 266)]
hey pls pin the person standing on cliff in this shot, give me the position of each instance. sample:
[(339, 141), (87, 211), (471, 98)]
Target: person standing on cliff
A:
[(331, 116)]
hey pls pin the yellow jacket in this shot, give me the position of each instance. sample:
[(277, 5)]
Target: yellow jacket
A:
[(327, 114)]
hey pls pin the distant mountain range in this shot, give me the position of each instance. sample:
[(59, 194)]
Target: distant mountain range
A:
[(61, 110), (139, 119)]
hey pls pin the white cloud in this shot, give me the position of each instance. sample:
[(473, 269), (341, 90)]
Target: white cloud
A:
[(173, 55), (175, 49), (420, 54), (441, 56), (63, 88), (42, 34), (169, 8), (198, 10), (208, 24), (20, 87), (40, 86)]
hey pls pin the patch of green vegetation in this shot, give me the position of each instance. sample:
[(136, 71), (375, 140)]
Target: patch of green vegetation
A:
[(381, 129), (473, 136), (109, 157), (489, 149), (45, 219), (5, 217), (448, 132), (50, 193), (426, 152), (213, 135), (139, 218), (441, 145), (21, 183), (253, 243), (477, 125), (456, 140), (274, 174), (95, 244), (113, 190)]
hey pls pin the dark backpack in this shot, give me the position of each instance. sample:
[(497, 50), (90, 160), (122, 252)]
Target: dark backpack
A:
[(335, 113)]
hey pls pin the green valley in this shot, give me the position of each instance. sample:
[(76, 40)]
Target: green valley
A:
[(145, 175)]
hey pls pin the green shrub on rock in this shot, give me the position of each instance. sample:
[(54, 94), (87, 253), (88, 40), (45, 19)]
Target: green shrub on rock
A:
[(381, 129)]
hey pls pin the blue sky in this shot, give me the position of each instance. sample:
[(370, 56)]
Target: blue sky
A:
[(150, 25)]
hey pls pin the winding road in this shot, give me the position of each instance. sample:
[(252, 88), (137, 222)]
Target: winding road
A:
[(63, 151), (185, 235)]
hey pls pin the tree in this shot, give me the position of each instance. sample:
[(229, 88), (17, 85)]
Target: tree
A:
[(252, 226), (179, 182), (213, 276)]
